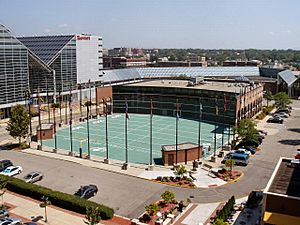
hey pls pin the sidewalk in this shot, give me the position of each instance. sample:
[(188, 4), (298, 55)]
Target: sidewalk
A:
[(28, 209)]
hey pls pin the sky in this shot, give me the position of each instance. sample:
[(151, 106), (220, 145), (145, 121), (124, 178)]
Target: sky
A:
[(207, 24)]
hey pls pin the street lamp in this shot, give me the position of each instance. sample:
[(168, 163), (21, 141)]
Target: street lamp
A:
[(29, 102)]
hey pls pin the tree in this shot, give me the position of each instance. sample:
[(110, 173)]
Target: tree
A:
[(282, 100), (3, 183), (181, 170), (168, 196), (269, 96), (93, 215), (220, 222), (45, 202), (230, 163), (18, 123), (247, 129), (152, 209)]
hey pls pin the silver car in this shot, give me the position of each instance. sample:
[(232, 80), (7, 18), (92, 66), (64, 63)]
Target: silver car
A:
[(33, 177)]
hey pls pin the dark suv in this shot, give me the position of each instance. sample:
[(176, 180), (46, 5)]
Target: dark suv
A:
[(4, 164), (87, 191)]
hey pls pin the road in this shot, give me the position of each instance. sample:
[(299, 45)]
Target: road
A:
[(128, 195)]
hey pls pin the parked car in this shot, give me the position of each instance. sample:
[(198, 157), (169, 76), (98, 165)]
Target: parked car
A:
[(4, 164), (12, 171), (240, 159), (275, 120), (250, 149), (282, 114), (297, 156), (87, 191), (4, 213), (263, 132), (241, 151), (33, 177), (283, 110), (249, 142), (10, 221), (30, 223)]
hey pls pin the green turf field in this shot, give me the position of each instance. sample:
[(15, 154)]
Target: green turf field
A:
[(138, 136)]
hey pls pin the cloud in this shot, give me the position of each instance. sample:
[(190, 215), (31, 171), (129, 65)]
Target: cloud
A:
[(289, 31), (47, 30), (271, 33), (63, 25)]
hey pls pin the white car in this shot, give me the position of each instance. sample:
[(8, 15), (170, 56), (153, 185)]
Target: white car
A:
[(12, 171), (10, 221), (241, 151)]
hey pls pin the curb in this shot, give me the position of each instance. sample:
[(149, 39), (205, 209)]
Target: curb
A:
[(233, 181)]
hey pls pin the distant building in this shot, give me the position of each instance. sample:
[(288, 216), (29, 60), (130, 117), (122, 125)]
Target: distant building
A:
[(123, 62), (242, 63), (177, 64), (75, 59), (281, 202), (16, 63)]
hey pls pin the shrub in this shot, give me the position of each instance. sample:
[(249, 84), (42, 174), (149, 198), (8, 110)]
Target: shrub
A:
[(152, 209), (24, 145), (159, 178), (225, 211), (189, 179), (145, 218), (60, 199), (168, 196), (172, 179)]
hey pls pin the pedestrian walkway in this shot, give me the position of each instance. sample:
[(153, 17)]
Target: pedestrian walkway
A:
[(28, 209)]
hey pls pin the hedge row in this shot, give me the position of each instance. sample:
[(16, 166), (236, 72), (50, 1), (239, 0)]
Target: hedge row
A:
[(60, 199), (227, 209)]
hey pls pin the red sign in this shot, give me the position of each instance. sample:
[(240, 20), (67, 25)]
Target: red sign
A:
[(79, 38)]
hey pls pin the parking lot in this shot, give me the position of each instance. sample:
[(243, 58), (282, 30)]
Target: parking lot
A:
[(128, 195)]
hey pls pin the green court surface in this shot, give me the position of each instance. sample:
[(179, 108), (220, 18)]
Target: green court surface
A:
[(138, 136)]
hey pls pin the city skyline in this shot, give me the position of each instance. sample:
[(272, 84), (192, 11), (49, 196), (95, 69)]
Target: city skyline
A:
[(162, 24)]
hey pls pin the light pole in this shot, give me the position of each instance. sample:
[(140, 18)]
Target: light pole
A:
[(106, 131), (40, 124), (199, 129), (71, 134), (88, 128), (54, 122), (29, 99)]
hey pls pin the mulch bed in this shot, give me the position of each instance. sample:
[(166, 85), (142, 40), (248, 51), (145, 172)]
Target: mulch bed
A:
[(165, 208), (227, 176)]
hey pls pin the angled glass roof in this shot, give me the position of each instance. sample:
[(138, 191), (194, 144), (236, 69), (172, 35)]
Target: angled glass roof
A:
[(156, 72), (46, 47), (288, 77)]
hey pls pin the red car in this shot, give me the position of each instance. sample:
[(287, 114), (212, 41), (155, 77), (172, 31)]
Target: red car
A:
[(298, 155)]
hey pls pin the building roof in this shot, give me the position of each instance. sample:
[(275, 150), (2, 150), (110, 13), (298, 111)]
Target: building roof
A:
[(46, 47), (182, 146), (165, 72), (288, 77), (285, 179), (207, 85)]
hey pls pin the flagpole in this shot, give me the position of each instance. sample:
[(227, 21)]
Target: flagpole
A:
[(47, 92), (199, 129), (60, 107), (151, 115), (54, 122), (71, 134), (106, 130), (40, 124), (88, 130), (176, 139), (215, 131), (126, 135)]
